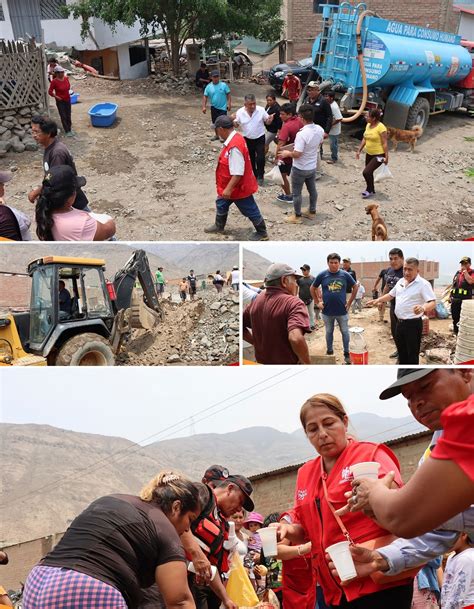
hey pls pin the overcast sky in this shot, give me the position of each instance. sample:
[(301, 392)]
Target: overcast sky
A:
[(448, 254), (141, 404)]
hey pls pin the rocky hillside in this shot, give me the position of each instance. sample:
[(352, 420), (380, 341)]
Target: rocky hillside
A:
[(255, 266)]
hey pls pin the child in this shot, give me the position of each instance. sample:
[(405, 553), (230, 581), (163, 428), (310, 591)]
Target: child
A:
[(183, 289), (253, 522), (458, 586)]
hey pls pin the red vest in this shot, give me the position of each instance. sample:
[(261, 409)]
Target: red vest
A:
[(211, 530), (248, 183), (314, 514)]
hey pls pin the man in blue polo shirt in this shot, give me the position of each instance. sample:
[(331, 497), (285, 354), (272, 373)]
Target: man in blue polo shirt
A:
[(218, 94), (334, 283)]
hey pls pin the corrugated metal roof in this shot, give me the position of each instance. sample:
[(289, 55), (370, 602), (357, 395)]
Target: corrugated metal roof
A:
[(296, 466)]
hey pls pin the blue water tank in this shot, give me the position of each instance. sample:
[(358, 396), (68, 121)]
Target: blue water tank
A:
[(394, 54)]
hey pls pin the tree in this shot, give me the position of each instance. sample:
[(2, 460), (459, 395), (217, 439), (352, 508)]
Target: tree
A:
[(179, 20)]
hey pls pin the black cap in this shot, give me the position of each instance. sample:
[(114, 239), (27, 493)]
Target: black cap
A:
[(465, 260), (62, 177), (404, 376), (305, 267), (216, 473), (224, 122)]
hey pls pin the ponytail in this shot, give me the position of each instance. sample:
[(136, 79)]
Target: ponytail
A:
[(168, 487), (49, 201)]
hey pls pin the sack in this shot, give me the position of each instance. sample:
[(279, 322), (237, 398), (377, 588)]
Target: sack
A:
[(441, 311), (239, 588), (275, 175), (382, 173), (379, 577)]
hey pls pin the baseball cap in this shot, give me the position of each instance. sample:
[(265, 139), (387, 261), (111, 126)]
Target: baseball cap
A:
[(215, 73), (62, 177), (218, 473), (223, 122), (305, 267), (404, 376), (235, 268), (5, 176), (462, 261), (59, 69), (277, 270), (313, 84), (346, 260)]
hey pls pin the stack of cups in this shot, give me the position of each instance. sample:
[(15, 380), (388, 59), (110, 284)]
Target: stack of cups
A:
[(465, 342)]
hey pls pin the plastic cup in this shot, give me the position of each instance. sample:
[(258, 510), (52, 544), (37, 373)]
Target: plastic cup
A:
[(268, 535), (366, 469), (342, 558), (191, 569)]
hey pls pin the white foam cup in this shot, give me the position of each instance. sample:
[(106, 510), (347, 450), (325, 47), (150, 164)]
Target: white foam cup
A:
[(268, 535), (367, 469), (342, 558), (191, 569)]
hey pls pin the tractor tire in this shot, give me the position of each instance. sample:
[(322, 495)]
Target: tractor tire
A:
[(86, 350), (418, 114)]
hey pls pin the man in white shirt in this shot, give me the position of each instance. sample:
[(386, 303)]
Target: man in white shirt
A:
[(335, 131), (305, 157), (357, 304), (235, 278), (414, 297), (252, 120)]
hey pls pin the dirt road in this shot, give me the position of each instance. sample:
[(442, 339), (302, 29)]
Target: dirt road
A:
[(379, 340), (154, 173)]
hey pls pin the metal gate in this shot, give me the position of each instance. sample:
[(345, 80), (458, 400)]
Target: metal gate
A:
[(25, 16)]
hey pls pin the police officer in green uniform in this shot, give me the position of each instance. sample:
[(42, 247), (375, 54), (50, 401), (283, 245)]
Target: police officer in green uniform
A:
[(463, 282)]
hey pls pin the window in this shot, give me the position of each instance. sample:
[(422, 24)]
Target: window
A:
[(137, 54), (92, 295), (51, 9), (41, 309), (318, 4)]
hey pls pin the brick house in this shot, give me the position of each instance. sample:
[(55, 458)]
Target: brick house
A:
[(303, 19)]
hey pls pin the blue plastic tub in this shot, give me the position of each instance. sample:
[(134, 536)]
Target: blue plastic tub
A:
[(74, 98), (103, 115)]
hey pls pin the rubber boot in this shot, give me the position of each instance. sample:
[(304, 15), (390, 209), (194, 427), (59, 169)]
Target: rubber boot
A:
[(219, 225), (261, 231)]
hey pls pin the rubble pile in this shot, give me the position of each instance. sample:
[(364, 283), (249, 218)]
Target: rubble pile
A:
[(15, 130), (204, 331), (168, 83), (438, 348)]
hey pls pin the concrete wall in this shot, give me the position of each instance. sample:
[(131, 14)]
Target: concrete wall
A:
[(23, 557), (303, 25), (128, 72), (105, 37), (273, 492), (466, 26), (367, 272)]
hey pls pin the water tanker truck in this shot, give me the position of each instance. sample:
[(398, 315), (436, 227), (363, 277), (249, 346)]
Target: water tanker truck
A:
[(410, 72)]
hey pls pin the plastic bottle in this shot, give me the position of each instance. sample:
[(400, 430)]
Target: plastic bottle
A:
[(358, 350)]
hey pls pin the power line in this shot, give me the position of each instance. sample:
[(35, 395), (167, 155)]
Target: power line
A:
[(176, 427)]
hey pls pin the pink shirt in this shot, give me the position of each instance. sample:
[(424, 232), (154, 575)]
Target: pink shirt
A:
[(74, 225)]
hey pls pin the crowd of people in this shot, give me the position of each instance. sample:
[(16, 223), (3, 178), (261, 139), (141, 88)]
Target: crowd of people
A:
[(298, 136), (188, 286), (288, 306), (175, 544)]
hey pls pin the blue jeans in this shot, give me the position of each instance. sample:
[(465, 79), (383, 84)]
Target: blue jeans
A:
[(334, 141), (248, 207), (300, 177), (343, 323)]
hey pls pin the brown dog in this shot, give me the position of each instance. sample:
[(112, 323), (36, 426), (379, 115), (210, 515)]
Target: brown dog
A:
[(403, 135), (379, 229)]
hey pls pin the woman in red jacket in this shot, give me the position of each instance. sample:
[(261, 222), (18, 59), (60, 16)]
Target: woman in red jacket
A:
[(59, 89), (320, 488)]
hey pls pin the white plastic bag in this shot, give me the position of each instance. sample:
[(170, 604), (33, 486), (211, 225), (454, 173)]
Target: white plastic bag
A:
[(275, 175), (382, 173)]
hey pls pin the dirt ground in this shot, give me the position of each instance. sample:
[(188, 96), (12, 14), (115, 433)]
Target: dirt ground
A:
[(378, 338), (153, 171)]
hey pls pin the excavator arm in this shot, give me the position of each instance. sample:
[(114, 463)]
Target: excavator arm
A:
[(143, 312)]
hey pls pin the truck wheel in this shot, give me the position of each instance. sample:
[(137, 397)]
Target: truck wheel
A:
[(418, 114), (86, 350)]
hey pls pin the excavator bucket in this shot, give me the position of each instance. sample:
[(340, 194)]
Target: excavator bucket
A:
[(143, 316)]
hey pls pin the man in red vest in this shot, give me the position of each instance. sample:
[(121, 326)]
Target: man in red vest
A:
[(235, 181)]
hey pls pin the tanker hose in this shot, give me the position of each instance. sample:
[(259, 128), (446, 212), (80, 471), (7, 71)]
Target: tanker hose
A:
[(360, 59)]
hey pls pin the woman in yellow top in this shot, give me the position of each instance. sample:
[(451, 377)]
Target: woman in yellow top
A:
[(376, 149)]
